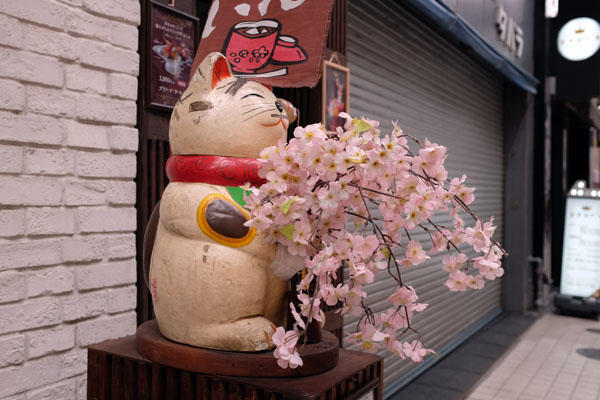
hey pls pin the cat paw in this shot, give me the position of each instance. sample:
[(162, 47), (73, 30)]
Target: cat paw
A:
[(252, 334)]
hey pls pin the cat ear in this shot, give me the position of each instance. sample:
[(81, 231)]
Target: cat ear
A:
[(212, 70), (221, 70)]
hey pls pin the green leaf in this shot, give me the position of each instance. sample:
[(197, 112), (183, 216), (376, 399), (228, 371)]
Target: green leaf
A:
[(386, 252), (360, 125), (237, 194), (285, 207), (288, 231)]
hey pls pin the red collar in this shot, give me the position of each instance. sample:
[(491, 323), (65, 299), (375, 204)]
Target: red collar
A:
[(216, 170)]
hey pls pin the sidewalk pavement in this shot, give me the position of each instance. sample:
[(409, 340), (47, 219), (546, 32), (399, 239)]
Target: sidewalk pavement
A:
[(457, 372), (557, 358)]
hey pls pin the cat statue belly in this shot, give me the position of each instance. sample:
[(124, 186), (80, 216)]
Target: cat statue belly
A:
[(205, 293), (210, 276)]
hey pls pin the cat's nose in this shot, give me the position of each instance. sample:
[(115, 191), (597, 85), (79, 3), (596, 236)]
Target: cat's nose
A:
[(279, 107)]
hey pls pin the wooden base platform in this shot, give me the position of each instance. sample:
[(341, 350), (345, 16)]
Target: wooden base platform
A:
[(117, 371), (317, 357)]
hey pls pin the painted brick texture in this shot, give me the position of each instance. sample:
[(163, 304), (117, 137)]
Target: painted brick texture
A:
[(68, 89)]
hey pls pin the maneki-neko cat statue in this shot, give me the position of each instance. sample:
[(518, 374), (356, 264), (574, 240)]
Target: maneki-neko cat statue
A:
[(211, 278)]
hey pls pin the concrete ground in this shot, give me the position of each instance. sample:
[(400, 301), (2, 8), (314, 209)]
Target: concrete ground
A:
[(558, 358), (456, 373), (553, 357)]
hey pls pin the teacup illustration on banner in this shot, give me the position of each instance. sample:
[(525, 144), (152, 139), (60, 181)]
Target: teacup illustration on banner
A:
[(252, 45)]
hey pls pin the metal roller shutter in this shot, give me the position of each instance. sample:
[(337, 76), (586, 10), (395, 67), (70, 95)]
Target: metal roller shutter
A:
[(403, 70)]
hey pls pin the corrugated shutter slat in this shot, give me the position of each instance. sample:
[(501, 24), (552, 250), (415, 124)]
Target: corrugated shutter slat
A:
[(403, 70)]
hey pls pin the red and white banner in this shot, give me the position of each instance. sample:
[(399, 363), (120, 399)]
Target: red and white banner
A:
[(276, 42)]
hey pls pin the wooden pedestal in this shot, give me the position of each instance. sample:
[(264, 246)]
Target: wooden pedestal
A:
[(117, 371), (317, 357)]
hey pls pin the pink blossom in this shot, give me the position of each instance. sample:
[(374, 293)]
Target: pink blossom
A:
[(480, 236), (439, 242), (395, 319), (327, 199), (452, 263), (260, 221), (302, 231), (276, 181), (356, 154), (332, 295), (285, 351), (364, 246), (369, 338), (475, 282), (489, 266), (414, 216), (438, 172), (360, 273), (297, 316), (415, 351), (403, 296), (407, 185), (465, 194), (433, 152), (457, 281), (355, 295), (415, 253), (397, 348), (310, 307), (309, 133)]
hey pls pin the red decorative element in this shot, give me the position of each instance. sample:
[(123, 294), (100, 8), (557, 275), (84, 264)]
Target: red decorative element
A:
[(154, 290), (216, 170)]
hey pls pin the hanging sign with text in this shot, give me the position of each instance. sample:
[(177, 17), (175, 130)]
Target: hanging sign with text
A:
[(509, 32)]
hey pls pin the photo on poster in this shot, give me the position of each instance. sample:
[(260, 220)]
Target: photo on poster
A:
[(336, 94), (173, 39)]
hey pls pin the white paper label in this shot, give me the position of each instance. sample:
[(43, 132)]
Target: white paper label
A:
[(581, 248)]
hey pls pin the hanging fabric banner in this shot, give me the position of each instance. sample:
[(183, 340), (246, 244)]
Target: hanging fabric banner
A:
[(275, 42)]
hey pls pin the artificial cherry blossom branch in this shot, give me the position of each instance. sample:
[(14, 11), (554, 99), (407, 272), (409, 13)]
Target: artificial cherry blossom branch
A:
[(319, 180)]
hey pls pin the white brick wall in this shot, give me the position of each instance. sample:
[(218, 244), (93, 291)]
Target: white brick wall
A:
[(68, 89)]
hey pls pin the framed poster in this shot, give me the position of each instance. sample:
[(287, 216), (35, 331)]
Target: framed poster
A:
[(581, 247), (335, 94), (173, 39)]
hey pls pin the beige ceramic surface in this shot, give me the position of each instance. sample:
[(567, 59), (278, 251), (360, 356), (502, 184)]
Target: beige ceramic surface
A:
[(206, 293), (242, 121)]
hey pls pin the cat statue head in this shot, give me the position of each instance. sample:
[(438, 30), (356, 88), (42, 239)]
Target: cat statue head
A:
[(223, 115)]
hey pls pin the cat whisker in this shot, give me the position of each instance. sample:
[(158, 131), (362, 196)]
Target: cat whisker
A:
[(262, 112), (253, 104), (254, 109)]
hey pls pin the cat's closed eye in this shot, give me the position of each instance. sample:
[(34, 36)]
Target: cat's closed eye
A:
[(253, 94)]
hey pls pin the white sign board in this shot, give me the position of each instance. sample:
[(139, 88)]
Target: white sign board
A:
[(581, 248), (368, 396), (551, 8)]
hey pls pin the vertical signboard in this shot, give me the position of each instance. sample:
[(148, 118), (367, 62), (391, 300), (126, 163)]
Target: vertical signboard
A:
[(581, 248)]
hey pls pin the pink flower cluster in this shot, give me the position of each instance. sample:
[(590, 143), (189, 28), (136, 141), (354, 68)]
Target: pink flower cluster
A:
[(353, 196)]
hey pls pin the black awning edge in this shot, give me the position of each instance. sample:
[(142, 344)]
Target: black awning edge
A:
[(459, 29)]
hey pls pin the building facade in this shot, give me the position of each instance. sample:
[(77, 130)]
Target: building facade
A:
[(83, 162), (68, 142), (458, 73)]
